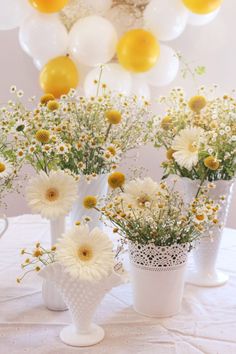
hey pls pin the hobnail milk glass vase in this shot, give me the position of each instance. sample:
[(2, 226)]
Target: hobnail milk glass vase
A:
[(157, 275), (51, 296), (204, 271), (96, 187), (82, 299), (5, 224)]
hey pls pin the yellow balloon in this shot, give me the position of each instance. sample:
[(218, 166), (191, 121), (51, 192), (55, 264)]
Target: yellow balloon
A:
[(138, 50), (48, 6), (58, 76), (202, 7)]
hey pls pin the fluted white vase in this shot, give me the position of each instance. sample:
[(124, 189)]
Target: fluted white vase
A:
[(51, 296), (82, 299), (157, 275), (204, 271), (96, 187), (5, 224)]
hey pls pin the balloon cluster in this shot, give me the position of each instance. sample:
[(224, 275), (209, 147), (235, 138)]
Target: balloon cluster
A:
[(134, 60)]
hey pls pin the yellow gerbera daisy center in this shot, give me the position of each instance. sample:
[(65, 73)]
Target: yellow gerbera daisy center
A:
[(143, 199), (85, 253), (2, 167), (192, 147), (52, 194)]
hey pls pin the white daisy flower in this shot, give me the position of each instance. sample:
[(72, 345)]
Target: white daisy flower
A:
[(20, 125), (186, 146), (86, 255), (52, 195), (141, 193), (5, 168)]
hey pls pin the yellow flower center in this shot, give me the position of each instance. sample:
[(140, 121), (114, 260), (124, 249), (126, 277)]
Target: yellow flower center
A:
[(192, 147), (166, 123), (42, 136), (169, 154), (85, 253), (52, 194), (113, 117), (52, 105), (200, 217), (116, 180), (112, 150), (143, 199), (2, 167)]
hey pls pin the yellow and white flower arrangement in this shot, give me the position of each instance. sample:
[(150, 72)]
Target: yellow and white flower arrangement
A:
[(199, 135), (86, 136), (51, 195), (143, 211)]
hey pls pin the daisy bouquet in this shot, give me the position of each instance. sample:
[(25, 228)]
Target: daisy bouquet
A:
[(143, 211), (199, 135), (86, 136)]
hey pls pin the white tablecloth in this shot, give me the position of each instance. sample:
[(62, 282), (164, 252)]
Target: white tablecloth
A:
[(206, 324)]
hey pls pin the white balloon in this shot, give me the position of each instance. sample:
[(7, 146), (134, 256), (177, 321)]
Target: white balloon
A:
[(13, 13), (43, 37), (201, 20), (113, 76), (39, 64), (100, 6), (165, 69), (166, 18), (140, 88), (92, 40)]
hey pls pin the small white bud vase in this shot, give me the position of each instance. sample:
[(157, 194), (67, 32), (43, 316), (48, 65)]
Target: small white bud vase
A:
[(97, 187), (82, 299), (204, 272), (5, 225), (158, 275), (51, 296)]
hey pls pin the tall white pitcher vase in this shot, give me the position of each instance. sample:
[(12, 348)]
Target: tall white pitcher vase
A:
[(157, 275), (82, 299), (96, 187), (3, 228), (204, 272), (51, 296)]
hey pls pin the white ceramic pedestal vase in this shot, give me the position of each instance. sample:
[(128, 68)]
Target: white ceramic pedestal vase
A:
[(157, 275), (82, 299), (96, 187), (204, 272), (51, 296), (5, 225)]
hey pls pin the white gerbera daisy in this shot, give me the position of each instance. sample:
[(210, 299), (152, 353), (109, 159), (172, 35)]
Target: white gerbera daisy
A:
[(5, 168), (140, 193), (186, 146), (86, 255), (52, 195)]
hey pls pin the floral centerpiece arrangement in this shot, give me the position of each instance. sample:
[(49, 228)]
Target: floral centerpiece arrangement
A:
[(84, 267), (199, 136), (86, 137), (160, 230)]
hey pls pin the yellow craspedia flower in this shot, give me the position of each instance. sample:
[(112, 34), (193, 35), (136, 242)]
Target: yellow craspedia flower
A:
[(2, 167), (53, 105), (43, 136), (46, 98), (212, 163), (166, 123), (169, 153), (116, 180), (90, 202), (197, 103), (113, 117)]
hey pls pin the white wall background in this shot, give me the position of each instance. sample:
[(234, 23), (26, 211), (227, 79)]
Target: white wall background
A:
[(213, 46)]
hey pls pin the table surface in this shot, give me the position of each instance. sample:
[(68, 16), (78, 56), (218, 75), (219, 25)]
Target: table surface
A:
[(206, 324)]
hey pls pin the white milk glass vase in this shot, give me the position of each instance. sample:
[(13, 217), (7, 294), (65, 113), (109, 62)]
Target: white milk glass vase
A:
[(3, 228), (82, 299), (157, 275), (96, 187), (204, 271), (51, 296)]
